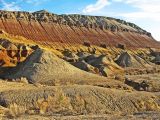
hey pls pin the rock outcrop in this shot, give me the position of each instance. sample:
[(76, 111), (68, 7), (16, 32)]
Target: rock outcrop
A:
[(46, 68), (157, 60), (12, 53), (128, 60), (48, 28), (76, 65)]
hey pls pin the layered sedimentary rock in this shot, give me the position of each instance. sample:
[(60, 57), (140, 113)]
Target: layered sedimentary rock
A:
[(47, 28), (12, 53), (58, 71)]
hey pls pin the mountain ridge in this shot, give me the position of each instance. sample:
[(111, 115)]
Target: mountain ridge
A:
[(48, 28), (72, 19), (59, 68)]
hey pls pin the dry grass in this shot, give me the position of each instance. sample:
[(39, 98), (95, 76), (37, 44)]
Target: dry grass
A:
[(152, 79), (15, 111), (17, 39), (12, 112), (4, 85), (91, 94), (72, 100), (58, 103)]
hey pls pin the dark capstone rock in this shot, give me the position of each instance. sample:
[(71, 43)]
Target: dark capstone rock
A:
[(157, 60), (136, 85), (114, 28), (35, 47), (124, 60)]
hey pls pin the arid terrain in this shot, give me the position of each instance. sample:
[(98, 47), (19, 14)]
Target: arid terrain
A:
[(64, 67)]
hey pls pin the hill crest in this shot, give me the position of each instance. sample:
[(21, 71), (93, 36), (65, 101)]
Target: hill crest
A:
[(77, 20), (48, 29)]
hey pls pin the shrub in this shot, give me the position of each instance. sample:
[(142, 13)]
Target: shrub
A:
[(87, 44), (103, 45), (15, 111), (59, 103), (121, 46)]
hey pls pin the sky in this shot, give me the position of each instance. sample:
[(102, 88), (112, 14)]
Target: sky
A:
[(144, 13)]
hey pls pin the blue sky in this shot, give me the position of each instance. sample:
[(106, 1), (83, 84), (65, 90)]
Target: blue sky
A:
[(145, 13)]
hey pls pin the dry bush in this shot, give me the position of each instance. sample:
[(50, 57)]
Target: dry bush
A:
[(15, 111), (86, 43), (2, 111), (59, 103), (121, 46), (119, 77), (79, 104), (103, 45)]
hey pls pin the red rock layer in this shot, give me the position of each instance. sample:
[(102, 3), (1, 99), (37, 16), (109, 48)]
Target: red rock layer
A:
[(50, 33)]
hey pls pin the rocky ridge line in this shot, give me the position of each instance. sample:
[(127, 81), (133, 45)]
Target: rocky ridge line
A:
[(104, 23)]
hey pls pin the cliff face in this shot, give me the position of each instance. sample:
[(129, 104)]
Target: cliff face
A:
[(48, 28)]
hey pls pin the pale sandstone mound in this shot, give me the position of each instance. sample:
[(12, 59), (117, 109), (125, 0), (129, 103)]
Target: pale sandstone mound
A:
[(106, 65), (98, 64), (46, 68), (85, 66)]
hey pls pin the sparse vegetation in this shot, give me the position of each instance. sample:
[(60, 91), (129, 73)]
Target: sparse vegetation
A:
[(59, 103), (88, 44), (69, 77)]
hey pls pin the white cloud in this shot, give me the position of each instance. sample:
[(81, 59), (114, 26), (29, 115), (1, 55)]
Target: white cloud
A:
[(149, 9), (12, 6), (100, 4)]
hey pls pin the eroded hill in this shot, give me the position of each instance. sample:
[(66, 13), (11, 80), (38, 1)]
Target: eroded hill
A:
[(48, 28), (60, 75)]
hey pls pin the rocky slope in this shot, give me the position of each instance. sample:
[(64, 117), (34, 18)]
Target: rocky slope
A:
[(45, 68), (67, 70), (48, 28), (43, 84)]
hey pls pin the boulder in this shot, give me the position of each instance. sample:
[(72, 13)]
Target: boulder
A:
[(137, 85), (90, 57), (157, 60), (124, 60), (128, 60), (69, 54), (107, 67), (83, 55), (10, 47), (84, 66), (104, 71)]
